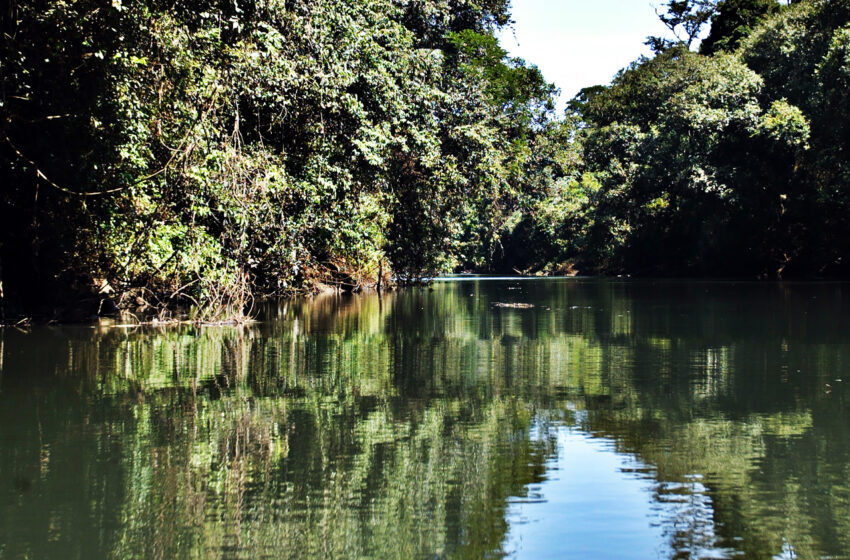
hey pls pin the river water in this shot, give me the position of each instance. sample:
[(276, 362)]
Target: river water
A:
[(613, 419)]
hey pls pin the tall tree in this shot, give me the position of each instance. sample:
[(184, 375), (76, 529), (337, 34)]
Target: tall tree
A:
[(685, 19), (733, 21)]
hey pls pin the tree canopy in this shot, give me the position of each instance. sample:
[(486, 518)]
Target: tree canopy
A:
[(200, 151), (205, 153), (725, 162)]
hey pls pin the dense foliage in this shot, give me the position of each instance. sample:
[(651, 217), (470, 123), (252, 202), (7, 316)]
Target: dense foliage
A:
[(211, 150), (729, 163), (156, 152)]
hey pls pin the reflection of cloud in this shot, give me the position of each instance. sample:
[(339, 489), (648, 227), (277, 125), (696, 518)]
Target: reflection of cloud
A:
[(687, 518)]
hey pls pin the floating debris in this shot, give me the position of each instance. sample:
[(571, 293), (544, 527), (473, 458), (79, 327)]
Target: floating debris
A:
[(514, 305)]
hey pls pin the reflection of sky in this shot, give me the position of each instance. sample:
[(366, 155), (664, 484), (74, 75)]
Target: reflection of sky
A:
[(599, 504), (578, 43)]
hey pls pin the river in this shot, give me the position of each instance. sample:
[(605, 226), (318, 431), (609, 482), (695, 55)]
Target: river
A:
[(475, 418)]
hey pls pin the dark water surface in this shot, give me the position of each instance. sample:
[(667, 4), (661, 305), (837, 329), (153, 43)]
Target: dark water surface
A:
[(614, 419)]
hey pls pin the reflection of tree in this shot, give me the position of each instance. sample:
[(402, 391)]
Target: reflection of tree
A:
[(233, 443), (400, 426)]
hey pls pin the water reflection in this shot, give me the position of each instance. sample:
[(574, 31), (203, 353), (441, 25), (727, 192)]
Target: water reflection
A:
[(612, 419)]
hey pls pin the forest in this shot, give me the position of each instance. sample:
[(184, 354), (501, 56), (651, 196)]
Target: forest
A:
[(208, 153)]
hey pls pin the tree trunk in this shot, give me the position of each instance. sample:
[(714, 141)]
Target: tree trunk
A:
[(2, 301)]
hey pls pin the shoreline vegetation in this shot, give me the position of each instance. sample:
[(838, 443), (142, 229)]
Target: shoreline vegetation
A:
[(179, 160)]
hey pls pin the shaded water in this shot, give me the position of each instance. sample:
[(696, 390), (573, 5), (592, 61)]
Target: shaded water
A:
[(614, 419)]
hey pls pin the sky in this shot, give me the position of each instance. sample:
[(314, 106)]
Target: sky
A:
[(580, 43)]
